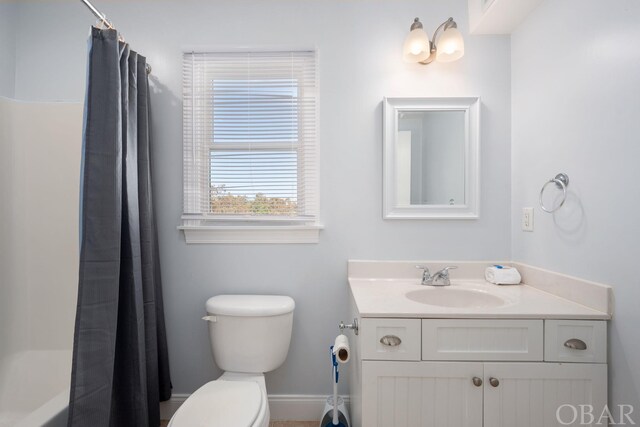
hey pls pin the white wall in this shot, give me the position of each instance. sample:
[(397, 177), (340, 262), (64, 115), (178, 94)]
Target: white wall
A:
[(8, 14), (359, 47), (39, 184), (576, 109), (13, 335), (48, 156)]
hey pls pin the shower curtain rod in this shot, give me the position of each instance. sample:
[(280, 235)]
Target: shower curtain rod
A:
[(102, 17)]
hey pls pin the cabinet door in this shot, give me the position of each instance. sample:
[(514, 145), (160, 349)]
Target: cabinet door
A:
[(529, 394), (421, 394)]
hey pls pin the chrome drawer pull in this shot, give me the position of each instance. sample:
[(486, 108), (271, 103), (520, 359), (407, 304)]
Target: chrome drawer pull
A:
[(390, 340), (575, 344), (477, 381), (494, 382)]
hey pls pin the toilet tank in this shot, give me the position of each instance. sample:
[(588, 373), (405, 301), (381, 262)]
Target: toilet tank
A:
[(250, 333)]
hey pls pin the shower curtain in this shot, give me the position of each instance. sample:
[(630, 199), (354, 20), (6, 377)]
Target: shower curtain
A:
[(120, 362)]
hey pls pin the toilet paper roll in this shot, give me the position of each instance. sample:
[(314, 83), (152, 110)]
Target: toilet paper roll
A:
[(341, 349)]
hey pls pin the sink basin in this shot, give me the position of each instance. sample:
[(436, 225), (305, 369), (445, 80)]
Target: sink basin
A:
[(448, 296)]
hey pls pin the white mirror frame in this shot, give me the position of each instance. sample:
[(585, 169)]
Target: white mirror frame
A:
[(471, 108)]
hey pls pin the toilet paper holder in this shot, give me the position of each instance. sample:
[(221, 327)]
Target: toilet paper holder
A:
[(342, 326)]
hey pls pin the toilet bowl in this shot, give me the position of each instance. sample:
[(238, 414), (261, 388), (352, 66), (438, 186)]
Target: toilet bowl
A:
[(234, 399), (249, 335)]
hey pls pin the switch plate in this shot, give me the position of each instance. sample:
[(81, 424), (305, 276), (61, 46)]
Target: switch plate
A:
[(527, 219)]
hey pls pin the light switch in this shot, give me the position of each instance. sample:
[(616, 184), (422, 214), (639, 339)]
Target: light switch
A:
[(527, 219)]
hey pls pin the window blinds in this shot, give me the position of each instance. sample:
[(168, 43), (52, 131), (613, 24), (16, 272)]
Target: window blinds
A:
[(249, 132)]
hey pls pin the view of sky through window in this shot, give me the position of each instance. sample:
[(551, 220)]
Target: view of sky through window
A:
[(254, 153)]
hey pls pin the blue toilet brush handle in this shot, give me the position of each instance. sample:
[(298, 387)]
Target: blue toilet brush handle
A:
[(335, 420)]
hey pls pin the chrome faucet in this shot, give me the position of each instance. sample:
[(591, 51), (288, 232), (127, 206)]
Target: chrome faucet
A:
[(439, 278), (426, 274)]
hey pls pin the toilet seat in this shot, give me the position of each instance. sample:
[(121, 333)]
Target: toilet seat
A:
[(221, 404)]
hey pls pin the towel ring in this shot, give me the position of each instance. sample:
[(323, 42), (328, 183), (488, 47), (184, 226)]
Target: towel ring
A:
[(561, 181)]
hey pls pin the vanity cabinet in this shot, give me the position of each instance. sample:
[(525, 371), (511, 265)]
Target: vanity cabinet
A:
[(438, 394), (529, 394), (475, 372)]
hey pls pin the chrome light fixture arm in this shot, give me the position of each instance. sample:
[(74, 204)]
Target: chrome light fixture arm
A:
[(449, 23), (419, 48)]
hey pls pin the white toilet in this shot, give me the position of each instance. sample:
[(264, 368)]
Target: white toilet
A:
[(250, 335)]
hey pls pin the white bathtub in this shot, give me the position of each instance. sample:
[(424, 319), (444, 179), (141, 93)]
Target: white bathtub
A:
[(34, 388)]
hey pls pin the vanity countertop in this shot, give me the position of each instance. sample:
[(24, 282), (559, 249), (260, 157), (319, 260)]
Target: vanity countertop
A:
[(385, 296)]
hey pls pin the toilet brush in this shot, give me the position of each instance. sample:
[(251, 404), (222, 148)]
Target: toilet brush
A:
[(335, 419)]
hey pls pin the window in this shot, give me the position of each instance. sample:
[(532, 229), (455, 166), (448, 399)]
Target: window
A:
[(250, 147)]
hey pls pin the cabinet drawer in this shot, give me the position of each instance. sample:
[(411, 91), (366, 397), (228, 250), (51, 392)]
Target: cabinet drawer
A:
[(390, 339), (482, 339), (575, 341)]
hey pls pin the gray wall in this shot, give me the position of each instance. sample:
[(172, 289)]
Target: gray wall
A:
[(8, 14), (359, 48), (436, 162), (443, 157), (576, 105)]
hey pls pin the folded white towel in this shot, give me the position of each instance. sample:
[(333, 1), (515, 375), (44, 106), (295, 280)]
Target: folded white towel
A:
[(502, 275)]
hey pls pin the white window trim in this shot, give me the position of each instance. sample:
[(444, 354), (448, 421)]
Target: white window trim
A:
[(287, 234), (208, 230)]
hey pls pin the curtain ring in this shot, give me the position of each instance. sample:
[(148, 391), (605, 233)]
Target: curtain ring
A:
[(561, 181)]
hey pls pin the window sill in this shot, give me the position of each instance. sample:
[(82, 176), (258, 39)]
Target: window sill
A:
[(289, 234)]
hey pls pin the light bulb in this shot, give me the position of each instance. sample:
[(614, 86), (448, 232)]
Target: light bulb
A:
[(450, 45), (416, 46)]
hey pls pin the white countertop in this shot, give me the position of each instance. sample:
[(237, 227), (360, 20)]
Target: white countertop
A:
[(385, 297)]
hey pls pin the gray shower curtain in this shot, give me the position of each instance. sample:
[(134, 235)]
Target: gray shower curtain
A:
[(120, 362)]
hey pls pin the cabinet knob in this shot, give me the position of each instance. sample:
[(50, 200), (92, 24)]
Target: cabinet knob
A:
[(575, 344), (477, 381), (390, 340), (494, 382)]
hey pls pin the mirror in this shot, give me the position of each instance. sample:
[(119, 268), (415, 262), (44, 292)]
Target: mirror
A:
[(431, 157)]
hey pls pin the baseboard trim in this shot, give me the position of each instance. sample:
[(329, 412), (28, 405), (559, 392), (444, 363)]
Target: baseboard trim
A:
[(299, 407)]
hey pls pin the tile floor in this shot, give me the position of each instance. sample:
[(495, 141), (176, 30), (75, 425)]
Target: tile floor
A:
[(294, 423), (276, 423)]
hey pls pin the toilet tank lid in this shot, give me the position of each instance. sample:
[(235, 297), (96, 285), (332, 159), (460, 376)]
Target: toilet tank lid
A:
[(250, 305)]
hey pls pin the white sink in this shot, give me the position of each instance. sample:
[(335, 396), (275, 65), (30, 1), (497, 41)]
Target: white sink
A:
[(448, 296)]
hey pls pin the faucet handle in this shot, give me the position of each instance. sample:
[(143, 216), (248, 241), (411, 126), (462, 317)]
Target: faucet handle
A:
[(426, 274), (445, 271), (425, 270)]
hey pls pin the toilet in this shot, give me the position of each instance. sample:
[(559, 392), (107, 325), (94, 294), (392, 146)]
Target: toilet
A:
[(249, 335)]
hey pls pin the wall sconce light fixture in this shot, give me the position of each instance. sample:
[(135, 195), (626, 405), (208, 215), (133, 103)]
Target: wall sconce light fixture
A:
[(418, 48)]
